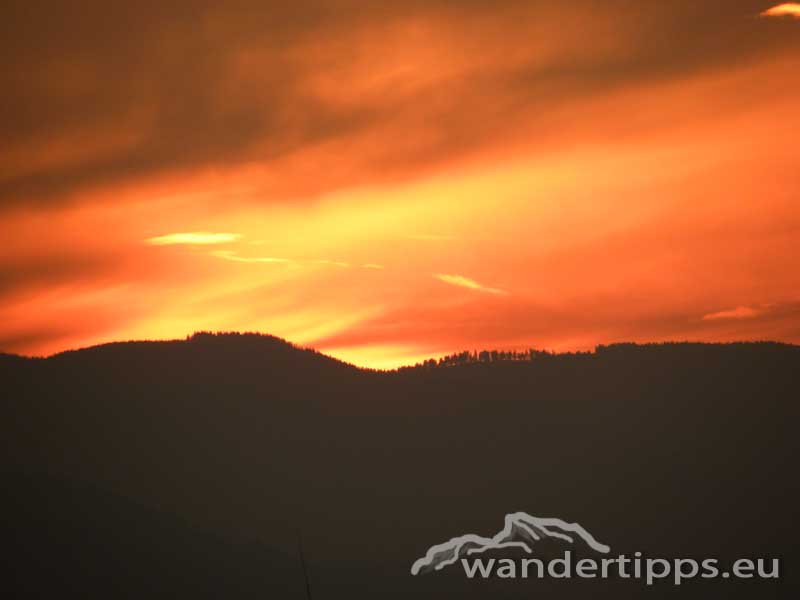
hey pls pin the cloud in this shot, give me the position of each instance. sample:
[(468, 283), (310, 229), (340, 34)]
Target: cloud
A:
[(787, 9), (333, 263), (232, 256), (321, 94), (741, 312), (471, 284), (193, 238), (27, 275), (372, 266)]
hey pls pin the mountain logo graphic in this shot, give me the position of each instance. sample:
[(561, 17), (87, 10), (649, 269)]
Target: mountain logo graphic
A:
[(520, 530)]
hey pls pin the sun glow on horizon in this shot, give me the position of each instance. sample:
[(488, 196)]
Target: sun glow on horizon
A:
[(490, 179)]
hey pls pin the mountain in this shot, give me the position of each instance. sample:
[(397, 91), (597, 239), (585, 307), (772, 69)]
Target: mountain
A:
[(672, 450), (227, 354)]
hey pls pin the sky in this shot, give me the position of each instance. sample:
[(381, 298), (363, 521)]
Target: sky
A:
[(388, 181)]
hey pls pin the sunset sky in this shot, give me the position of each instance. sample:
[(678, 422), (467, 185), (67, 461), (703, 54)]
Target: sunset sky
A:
[(387, 181)]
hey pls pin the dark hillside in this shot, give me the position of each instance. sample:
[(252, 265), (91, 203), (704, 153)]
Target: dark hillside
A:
[(676, 450)]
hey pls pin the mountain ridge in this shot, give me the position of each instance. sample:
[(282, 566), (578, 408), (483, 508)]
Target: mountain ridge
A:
[(275, 344)]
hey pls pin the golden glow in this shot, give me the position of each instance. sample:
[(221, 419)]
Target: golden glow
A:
[(787, 9), (470, 284), (741, 312), (432, 182), (195, 238), (232, 256)]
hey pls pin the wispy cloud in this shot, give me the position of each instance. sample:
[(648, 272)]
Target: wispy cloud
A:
[(193, 238), (372, 266), (471, 284), (787, 9), (741, 312), (332, 263), (232, 256)]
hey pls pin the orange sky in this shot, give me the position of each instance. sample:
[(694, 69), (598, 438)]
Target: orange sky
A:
[(391, 181)]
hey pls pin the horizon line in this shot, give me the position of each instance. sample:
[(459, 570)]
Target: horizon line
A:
[(553, 353)]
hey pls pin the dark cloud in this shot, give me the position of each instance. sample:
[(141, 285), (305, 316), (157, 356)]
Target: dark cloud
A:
[(33, 273), (64, 332), (97, 92)]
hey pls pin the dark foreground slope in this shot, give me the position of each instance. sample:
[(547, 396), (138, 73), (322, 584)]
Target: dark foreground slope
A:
[(176, 457), (72, 539)]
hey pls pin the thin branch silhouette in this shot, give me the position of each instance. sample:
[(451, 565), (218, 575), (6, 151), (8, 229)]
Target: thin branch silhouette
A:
[(303, 563)]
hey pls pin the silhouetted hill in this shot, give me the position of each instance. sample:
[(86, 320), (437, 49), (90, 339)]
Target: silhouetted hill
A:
[(227, 353), (675, 449)]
